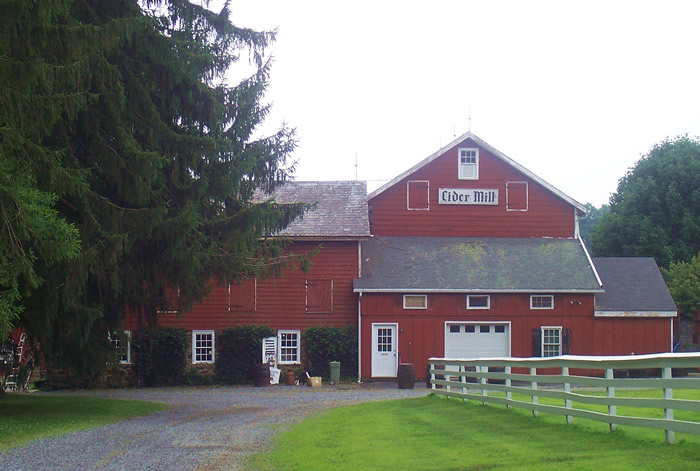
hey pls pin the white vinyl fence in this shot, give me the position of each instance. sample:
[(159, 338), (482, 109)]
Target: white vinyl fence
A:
[(474, 379)]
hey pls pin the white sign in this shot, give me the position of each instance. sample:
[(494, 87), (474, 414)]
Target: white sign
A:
[(464, 196)]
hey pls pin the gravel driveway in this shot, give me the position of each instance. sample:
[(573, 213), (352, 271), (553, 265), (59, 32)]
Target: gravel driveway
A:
[(212, 428)]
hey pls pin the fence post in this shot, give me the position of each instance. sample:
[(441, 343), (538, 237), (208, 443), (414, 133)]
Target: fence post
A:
[(484, 393), (463, 379), (668, 411), (612, 408), (533, 385), (433, 386), (509, 395), (567, 389)]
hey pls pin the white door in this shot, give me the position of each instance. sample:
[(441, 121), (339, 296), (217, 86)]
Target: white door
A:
[(384, 355), (477, 340)]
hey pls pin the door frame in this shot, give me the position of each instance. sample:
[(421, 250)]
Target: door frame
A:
[(395, 340)]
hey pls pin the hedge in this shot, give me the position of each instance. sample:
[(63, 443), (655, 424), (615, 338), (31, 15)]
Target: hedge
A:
[(237, 350), (326, 344), (160, 356)]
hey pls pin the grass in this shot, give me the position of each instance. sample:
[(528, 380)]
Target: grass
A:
[(435, 433), (27, 417)]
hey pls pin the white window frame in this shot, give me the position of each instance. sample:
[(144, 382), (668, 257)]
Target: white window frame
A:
[(488, 301), (297, 348), (195, 333), (559, 344), (474, 165), (115, 339), (551, 297), (425, 301), (408, 195)]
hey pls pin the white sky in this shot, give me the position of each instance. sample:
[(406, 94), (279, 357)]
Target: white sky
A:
[(575, 91)]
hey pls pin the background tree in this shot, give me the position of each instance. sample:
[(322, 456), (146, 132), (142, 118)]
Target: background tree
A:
[(656, 208), (587, 224), (150, 155), (683, 279)]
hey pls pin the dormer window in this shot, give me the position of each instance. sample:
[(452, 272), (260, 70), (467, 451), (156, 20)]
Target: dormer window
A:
[(468, 164)]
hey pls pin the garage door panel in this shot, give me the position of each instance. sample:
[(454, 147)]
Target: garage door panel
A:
[(477, 340)]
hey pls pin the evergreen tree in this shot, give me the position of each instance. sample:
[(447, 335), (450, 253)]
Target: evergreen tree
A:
[(656, 208), (153, 158)]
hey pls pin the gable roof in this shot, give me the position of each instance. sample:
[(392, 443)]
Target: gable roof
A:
[(470, 264), (340, 212), (633, 287), (498, 154)]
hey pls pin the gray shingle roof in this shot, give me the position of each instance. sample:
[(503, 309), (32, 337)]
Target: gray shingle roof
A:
[(632, 284), (341, 210), (474, 264)]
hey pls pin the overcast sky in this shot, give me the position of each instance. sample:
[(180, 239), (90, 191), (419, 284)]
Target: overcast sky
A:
[(576, 92)]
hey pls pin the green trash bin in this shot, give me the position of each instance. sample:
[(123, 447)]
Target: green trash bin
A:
[(335, 372)]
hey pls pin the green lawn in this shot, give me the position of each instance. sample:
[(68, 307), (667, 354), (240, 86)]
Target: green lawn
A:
[(434, 433), (27, 417)]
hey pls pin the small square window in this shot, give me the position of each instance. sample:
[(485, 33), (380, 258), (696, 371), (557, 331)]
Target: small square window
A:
[(500, 329), (202, 346), (469, 329), (542, 302), (478, 301), (454, 329), (415, 301), (484, 329)]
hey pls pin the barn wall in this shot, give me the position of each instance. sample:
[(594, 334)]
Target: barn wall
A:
[(547, 215), (280, 302), (425, 329)]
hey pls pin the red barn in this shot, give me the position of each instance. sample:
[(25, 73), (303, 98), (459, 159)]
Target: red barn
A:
[(473, 255), (291, 303), (467, 254)]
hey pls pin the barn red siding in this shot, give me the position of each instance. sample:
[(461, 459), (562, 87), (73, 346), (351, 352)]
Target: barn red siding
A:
[(547, 216), (425, 329), (281, 302)]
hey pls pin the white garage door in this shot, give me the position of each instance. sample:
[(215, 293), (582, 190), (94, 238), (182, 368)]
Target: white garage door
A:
[(477, 340)]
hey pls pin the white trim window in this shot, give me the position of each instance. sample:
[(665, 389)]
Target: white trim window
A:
[(478, 301), (123, 350), (538, 301), (468, 161), (551, 341), (203, 346), (289, 347), (415, 301)]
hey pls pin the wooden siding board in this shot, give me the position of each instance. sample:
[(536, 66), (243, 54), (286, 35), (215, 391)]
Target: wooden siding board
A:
[(547, 215), (281, 301), (424, 329)]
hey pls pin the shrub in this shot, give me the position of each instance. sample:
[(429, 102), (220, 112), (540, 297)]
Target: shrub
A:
[(160, 356), (326, 344), (237, 350)]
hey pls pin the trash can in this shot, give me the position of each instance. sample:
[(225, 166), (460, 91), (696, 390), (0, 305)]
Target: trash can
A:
[(335, 372)]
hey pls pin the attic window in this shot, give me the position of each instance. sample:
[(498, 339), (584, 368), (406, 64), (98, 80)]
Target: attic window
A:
[(542, 302), (415, 301), (478, 301), (468, 164)]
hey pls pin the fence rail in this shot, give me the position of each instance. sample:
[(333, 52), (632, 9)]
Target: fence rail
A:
[(474, 379)]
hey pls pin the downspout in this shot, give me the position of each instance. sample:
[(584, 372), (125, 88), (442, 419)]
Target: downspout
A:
[(359, 338)]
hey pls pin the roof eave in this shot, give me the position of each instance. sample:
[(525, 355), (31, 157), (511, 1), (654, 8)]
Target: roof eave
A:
[(478, 290)]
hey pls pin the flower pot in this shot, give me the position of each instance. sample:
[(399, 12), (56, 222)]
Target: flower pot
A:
[(290, 379)]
